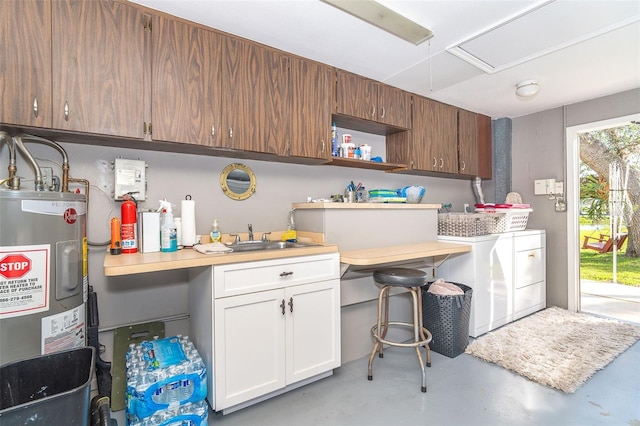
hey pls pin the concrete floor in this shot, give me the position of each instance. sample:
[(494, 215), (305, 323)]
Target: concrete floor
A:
[(461, 391)]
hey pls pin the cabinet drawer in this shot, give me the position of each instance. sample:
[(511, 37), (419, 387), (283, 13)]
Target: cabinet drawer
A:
[(528, 242), (239, 278), (529, 267), (529, 299)]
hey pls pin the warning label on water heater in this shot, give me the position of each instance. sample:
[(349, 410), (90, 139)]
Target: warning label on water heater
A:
[(24, 280)]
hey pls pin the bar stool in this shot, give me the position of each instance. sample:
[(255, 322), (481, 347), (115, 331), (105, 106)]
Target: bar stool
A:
[(412, 280)]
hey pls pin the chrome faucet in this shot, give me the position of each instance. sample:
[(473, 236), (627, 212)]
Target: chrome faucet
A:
[(250, 232)]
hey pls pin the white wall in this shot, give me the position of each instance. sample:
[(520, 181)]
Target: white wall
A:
[(145, 297)]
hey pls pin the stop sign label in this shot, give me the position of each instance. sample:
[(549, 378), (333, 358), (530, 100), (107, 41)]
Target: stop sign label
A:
[(15, 266)]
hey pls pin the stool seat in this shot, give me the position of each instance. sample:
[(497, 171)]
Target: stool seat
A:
[(401, 277), (412, 280)]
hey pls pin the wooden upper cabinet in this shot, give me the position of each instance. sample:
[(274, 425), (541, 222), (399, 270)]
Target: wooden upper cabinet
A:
[(431, 146), (394, 106), (185, 89), (363, 98), (255, 98), (311, 101), (98, 60), (356, 96), (25, 62), (442, 137), (467, 143)]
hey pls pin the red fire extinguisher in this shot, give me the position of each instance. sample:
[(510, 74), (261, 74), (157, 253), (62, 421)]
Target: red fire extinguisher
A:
[(129, 232)]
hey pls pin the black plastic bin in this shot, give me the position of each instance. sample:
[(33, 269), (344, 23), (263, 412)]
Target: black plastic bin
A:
[(51, 389), (447, 318)]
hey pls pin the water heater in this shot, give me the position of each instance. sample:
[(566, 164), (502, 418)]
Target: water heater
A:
[(43, 272)]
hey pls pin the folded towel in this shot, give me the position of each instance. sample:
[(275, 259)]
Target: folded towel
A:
[(212, 248), (443, 288)]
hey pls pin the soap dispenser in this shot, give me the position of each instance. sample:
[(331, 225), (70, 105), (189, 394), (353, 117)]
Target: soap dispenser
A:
[(290, 235), (215, 234)]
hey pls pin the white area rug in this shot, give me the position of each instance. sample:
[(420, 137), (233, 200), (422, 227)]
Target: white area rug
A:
[(555, 347)]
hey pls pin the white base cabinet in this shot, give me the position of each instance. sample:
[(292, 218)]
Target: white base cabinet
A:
[(506, 272), (265, 326)]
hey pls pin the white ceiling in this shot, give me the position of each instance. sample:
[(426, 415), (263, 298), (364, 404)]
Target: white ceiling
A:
[(576, 49)]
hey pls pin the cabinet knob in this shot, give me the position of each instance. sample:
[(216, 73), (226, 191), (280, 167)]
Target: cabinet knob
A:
[(441, 162), (230, 132), (290, 304), (435, 162), (35, 106), (213, 130), (285, 274), (373, 110), (382, 112), (66, 110), (464, 165), (532, 255), (282, 306)]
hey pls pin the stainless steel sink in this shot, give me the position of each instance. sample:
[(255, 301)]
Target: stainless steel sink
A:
[(266, 245)]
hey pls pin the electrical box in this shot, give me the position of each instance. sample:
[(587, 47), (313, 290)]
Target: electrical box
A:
[(544, 186), (130, 176)]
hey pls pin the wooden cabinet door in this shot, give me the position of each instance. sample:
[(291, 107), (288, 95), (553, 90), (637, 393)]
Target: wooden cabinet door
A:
[(393, 107), (441, 137), (467, 143), (311, 100), (484, 141), (313, 329), (98, 59), (356, 96), (255, 98), (186, 83), (25, 62), (419, 151), (249, 348)]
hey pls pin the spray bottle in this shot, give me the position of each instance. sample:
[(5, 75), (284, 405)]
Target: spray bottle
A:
[(168, 231), (334, 139)]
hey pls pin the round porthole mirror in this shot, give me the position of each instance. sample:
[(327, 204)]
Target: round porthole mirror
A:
[(238, 181)]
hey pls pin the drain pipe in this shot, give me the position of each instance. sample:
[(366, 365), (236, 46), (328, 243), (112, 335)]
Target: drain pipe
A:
[(55, 145)]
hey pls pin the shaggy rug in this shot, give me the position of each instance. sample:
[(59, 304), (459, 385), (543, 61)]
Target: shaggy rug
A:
[(555, 347)]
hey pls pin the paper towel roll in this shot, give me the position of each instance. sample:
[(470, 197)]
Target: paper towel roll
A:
[(188, 215)]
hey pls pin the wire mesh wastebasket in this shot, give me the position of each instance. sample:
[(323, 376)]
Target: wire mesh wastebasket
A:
[(447, 318)]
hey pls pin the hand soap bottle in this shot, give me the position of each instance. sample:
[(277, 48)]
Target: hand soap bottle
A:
[(290, 234), (215, 235)]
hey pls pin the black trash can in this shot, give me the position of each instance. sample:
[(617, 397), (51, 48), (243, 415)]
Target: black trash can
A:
[(447, 318), (51, 389)]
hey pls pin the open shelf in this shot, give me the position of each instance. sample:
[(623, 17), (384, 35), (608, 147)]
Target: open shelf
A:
[(363, 164)]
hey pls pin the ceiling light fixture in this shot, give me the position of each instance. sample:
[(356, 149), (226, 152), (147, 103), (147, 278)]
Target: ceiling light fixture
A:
[(384, 18), (527, 88)]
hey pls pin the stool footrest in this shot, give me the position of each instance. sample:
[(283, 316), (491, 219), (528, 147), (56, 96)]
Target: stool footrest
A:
[(424, 342)]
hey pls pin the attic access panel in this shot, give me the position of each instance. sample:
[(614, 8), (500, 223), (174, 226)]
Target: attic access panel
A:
[(544, 28)]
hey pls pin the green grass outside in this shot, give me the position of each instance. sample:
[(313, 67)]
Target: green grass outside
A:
[(599, 267)]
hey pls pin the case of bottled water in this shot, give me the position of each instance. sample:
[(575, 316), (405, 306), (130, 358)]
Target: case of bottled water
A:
[(166, 383)]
